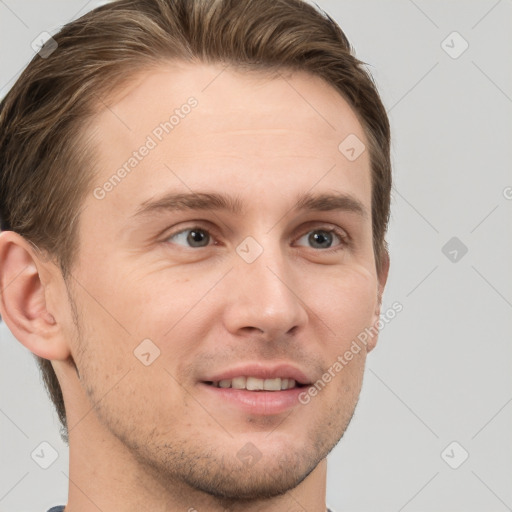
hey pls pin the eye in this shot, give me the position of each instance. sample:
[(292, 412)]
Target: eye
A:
[(196, 237), (322, 238)]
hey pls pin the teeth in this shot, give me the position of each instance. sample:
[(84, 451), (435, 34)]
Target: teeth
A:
[(255, 384), (238, 383), (272, 384)]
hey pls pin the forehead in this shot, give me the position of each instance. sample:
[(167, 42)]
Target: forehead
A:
[(215, 127)]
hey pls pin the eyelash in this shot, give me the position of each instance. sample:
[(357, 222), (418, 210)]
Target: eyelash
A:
[(342, 235)]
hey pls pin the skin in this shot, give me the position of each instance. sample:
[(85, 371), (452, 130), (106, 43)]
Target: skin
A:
[(150, 437)]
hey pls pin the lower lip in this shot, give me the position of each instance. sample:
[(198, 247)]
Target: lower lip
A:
[(263, 403)]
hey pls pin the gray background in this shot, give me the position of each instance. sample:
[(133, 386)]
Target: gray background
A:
[(441, 371)]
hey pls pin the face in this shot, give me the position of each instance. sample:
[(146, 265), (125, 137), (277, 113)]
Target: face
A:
[(213, 264)]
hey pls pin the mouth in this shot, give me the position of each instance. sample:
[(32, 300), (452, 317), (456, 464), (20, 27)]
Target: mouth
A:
[(256, 384), (256, 389)]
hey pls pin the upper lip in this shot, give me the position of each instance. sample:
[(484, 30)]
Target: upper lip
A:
[(261, 371)]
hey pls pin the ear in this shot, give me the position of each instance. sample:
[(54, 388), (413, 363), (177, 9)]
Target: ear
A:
[(382, 277), (25, 282)]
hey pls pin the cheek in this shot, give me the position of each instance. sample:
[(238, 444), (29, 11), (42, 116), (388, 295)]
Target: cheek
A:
[(347, 309), (128, 305), (349, 302)]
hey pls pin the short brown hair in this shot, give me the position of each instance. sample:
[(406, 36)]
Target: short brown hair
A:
[(44, 157)]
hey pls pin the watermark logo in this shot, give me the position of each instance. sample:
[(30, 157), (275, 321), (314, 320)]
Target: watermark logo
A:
[(146, 352), (249, 455), (249, 249), (454, 249), (44, 45), (44, 455), (454, 45), (454, 455), (352, 147)]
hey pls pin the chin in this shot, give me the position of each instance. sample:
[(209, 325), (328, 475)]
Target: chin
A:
[(252, 475), (261, 481)]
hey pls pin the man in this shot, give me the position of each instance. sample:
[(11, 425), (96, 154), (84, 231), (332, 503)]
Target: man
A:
[(194, 200)]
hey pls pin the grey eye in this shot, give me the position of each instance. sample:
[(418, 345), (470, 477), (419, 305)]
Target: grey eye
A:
[(196, 237), (320, 238)]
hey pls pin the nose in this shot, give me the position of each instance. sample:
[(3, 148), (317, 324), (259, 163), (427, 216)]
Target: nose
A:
[(264, 297)]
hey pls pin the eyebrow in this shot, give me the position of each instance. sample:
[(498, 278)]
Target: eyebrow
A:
[(211, 201)]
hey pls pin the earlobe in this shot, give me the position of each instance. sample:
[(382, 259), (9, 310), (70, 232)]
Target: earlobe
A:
[(23, 299), (382, 278)]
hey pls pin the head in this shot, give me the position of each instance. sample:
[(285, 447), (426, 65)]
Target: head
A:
[(177, 201)]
